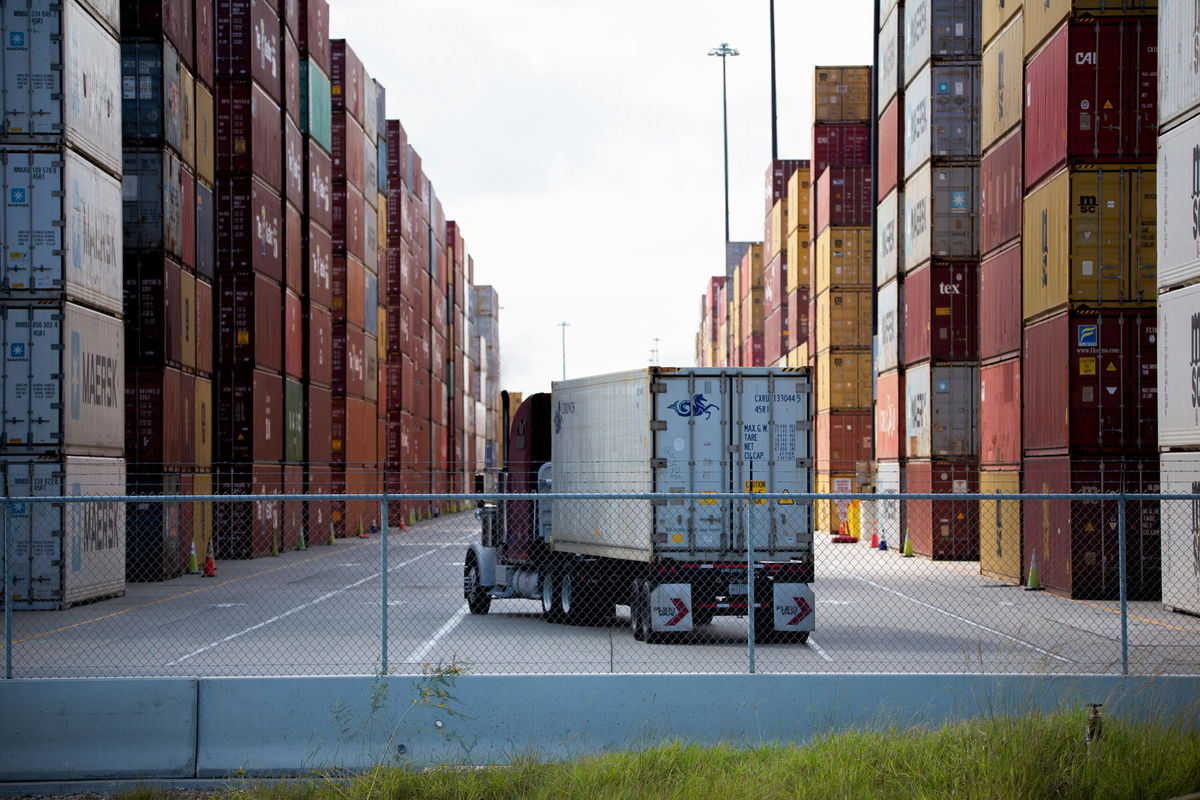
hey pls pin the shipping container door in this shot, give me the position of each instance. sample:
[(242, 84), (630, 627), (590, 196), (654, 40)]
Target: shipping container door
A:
[(36, 533)]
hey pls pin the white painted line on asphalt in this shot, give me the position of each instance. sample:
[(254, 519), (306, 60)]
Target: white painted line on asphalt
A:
[(971, 622), (416, 656), (298, 608), (817, 648)]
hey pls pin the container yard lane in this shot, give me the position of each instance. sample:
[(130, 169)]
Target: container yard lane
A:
[(318, 612)]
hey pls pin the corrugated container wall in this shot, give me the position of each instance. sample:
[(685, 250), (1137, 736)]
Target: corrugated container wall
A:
[(944, 30)]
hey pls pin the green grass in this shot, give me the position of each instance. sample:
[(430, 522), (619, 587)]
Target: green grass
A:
[(1029, 757)]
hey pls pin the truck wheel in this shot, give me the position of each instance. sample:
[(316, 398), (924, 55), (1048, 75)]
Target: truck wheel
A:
[(570, 608), (478, 600), (652, 636), (635, 612), (764, 626), (551, 600)]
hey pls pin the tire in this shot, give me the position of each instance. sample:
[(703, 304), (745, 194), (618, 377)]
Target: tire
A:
[(478, 600), (570, 610), (652, 636), (635, 612), (551, 600), (764, 627)]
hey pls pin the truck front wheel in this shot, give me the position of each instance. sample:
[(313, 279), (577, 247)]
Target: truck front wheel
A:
[(478, 600)]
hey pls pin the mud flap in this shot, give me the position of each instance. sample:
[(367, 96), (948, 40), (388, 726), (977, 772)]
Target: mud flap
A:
[(671, 608), (794, 606)]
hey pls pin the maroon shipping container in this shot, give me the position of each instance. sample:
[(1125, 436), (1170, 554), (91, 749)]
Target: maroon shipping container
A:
[(319, 252), (349, 361), (249, 322), (320, 186), (154, 435), (318, 405), (242, 529), (204, 327), (249, 228), (291, 78), (293, 510), (318, 514), (1000, 413), (143, 20), (752, 351), (293, 237), (249, 132), (1076, 541), (204, 14), (394, 397), (293, 164), (891, 148), (397, 158), (349, 276), (841, 197), (349, 234), (1000, 303), (941, 321), (249, 420), (153, 309), (889, 415), (319, 328), (1098, 79), (1000, 193), (293, 335), (943, 530), (314, 32), (248, 43), (841, 144), (360, 431), (346, 79), (774, 283), (1090, 383), (843, 440), (774, 336), (779, 172), (797, 310)]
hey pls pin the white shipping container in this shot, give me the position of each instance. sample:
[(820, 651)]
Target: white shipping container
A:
[(65, 553), (61, 229), (1180, 532), (941, 215), (64, 380), (1179, 368), (890, 58), (1179, 206), (889, 227), (891, 326), (687, 430), (889, 477), (61, 75), (1178, 61), (941, 411), (941, 107)]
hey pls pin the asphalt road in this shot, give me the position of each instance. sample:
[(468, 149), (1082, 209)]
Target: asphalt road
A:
[(319, 611)]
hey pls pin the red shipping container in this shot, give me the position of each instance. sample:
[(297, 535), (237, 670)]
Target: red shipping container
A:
[(1090, 383), (349, 276), (1000, 193), (249, 322), (319, 329), (1076, 541), (319, 252), (843, 440), (249, 228), (752, 351), (943, 529), (348, 231), (153, 431), (842, 197), (248, 43), (1000, 413), (1000, 304), (204, 15), (360, 432), (889, 415), (318, 405), (1091, 95), (773, 336), (143, 20), (320, 186), (188, 182), (293, 338), (293, 238), (348, 154), (841, 144), (891, 148), (154, 321), (346, 78), (798, 309), (941, 313), (349, 361), (249, 132), (204, 327), (314, 32), (397, 150), (249, 419), (779, 172), (294, 176), (291, 77)]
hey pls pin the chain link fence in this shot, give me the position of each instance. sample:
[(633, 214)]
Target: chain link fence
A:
[(296, 584)]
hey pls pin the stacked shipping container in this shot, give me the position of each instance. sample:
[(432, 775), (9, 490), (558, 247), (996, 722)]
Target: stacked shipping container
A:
[(780, 300), (1179, 303)]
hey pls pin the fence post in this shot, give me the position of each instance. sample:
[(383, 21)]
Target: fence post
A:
[(383, 583), (1124, 584), (749, 588)]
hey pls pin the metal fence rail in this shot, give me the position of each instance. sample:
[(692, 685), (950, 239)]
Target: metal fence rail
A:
[(107, 585)]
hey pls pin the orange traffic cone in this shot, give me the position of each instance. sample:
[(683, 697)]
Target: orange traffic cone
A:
[(402, 523), (362, 534), (210, 566)]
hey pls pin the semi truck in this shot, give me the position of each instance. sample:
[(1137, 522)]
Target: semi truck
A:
[(675, 562)]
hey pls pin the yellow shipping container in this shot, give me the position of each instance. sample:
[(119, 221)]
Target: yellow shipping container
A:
[(381, 226), (842, 94), (1042, 19), (779, 222), (1000, 527), (204, 420), (829, 514), (202, 516), (206, 137), (751, 315), (1086, 239), (798, 274), (1003, 84), (843, 259), (844, 380), (843, 319), (722, 346), (996, 14), (187, 116), (799, 186), (755, 257), (187, 321)]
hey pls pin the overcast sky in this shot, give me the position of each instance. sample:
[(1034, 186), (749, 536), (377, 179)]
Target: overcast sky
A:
[(578, 144)]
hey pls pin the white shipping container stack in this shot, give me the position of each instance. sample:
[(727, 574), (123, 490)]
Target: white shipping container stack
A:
[(1179, 300), (61, 299)]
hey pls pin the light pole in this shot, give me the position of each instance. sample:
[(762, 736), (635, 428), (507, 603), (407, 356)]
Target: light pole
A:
[(774, 109), (564, 325), (724, 51)]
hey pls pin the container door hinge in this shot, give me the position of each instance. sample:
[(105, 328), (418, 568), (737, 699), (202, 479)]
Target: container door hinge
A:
[(658, 463), (658, 425)]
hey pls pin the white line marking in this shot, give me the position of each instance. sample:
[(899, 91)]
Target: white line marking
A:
[(417, 655), (289, 612), (816, 647), (952, 615)]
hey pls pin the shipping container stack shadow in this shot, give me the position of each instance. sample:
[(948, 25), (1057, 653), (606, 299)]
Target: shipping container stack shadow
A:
[(1088, 289), (839, 285), (1178, 281), (61, 301)]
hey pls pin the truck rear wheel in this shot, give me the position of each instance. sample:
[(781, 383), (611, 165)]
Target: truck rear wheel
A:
[(652, 636), (478, 600), (551, 597), (635, 612)]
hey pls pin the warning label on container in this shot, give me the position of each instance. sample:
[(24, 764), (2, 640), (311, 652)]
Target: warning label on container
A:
[(1087, 366)]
